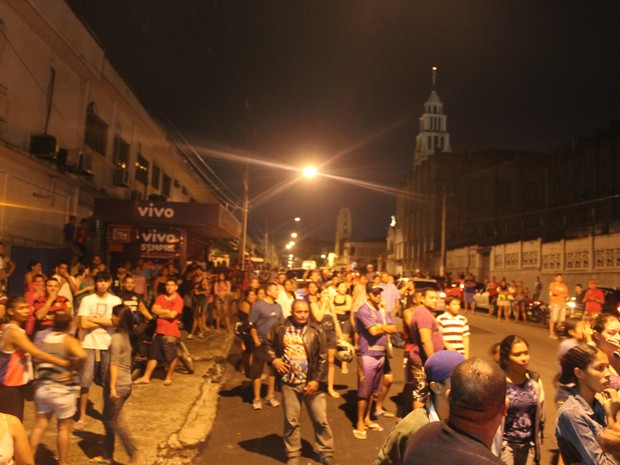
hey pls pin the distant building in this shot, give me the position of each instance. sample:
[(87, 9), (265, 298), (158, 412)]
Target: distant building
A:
[(358, 254), (344, 229), (518, 214)]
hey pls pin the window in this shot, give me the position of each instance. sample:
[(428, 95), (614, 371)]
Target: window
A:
[(155, 176), (96, 135), (120, 156), (166, 182), (142, 169)]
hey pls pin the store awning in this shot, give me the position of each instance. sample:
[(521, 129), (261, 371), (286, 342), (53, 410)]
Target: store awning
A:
[(210, 220)]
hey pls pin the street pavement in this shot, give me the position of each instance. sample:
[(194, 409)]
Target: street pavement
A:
[(168, 423), (207, 418), (242, 435)]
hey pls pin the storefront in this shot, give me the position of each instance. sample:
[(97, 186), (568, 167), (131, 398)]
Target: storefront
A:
[(160, 231)]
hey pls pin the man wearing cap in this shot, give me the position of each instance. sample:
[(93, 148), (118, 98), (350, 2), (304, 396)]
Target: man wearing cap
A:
[(438, 367), (477, 406), (373, 325)]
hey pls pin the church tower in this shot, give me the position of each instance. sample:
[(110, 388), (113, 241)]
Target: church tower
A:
[(433, 136), (343, 230)]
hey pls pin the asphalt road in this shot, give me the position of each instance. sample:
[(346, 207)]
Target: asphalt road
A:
[(241, 435)]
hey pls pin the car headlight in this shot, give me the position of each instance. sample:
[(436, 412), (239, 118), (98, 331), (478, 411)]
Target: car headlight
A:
[(571, 304)]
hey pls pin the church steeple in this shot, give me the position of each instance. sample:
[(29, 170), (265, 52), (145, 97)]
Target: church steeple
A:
[(433, 136)]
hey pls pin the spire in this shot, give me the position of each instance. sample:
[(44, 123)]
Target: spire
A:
[(433, 136)]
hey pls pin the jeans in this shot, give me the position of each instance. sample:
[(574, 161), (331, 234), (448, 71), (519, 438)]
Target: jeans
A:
[(292, 397), (111, 412)]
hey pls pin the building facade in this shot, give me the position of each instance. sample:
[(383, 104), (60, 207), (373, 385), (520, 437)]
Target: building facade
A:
[(515, 213), (72, 132)]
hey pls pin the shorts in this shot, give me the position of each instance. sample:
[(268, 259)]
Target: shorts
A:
[(94, 368), (345, 324), (199, 305), (164, 348), (369, 375), (492, 299), (57, 399), (557, 313), (468, 297), (415, 379), (259, 360)]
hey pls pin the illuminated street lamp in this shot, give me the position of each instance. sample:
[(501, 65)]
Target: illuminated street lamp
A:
[(310, 171), (294, 235)]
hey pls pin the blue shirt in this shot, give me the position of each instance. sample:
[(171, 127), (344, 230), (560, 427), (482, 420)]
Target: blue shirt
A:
[(576, 431), (264, 315)]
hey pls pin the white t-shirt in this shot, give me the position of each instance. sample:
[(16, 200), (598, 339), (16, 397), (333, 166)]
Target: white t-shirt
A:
[(99, 307)]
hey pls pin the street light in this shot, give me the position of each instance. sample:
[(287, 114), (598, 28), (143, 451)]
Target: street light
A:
[(310, 171)]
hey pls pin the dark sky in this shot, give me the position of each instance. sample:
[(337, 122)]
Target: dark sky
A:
[(342, 84)]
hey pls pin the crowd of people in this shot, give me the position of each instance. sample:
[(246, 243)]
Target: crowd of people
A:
[(77, 327)]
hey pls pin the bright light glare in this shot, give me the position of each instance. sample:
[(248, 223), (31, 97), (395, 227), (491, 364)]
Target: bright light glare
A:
[(298, 219), (293, 235), (309, 171), (289, 246)]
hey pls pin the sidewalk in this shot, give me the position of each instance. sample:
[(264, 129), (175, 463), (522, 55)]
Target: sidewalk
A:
[(167, 422)]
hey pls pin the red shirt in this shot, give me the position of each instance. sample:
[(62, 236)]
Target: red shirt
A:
[(59, 304), (165, 326), (591, 305)]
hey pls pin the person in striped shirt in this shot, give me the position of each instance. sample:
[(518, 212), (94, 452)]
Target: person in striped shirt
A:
[(454, 327)]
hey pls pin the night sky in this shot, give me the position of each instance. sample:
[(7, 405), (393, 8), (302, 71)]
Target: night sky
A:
[(341, 84)]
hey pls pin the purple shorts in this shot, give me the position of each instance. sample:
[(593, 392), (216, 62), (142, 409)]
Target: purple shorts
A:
[(370, 375)]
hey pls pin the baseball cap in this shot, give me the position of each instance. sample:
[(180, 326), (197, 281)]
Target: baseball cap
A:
[(374, 289), (439, 366)]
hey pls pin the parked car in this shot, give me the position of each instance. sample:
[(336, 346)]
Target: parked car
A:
[(611, 305), (424, 283)]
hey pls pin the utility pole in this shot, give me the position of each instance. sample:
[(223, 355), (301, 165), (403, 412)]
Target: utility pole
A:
[(244, 215)]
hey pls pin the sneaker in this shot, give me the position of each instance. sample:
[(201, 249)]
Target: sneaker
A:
[(272, 401), (257, 404)]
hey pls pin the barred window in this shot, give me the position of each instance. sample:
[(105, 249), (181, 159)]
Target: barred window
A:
[(142, 169), (120, 156), (96, 134)]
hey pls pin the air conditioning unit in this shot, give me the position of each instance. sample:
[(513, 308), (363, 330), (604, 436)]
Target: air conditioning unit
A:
[(136, 195), (69, 160), (86, 164), (121, 177), (44, 146)]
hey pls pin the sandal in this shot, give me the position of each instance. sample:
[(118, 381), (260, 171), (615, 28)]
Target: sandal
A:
[(374, 427), (385, 414), (79, 425), (100, 461), (359, 434)]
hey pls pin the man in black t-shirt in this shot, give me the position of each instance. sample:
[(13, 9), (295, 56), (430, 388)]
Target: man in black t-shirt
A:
[(130, 298)]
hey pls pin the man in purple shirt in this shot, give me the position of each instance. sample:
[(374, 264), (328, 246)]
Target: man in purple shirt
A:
[(373, 324)]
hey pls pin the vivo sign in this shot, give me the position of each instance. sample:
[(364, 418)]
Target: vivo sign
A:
[(152, 211)]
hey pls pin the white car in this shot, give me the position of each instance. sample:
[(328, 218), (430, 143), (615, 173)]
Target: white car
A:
[(424, 283)]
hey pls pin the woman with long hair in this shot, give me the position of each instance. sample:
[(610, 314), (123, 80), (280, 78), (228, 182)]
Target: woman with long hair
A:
[(118, 387), (200, 294), (605, 333), (221, 289), (503, 302), (322, 314), (16, 351), (243, 315), (85, 285), (582, 417), (341, 305), (521, 429), (56, 387)]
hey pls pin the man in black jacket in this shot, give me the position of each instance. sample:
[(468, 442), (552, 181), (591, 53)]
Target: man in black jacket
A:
[(297, 349)]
